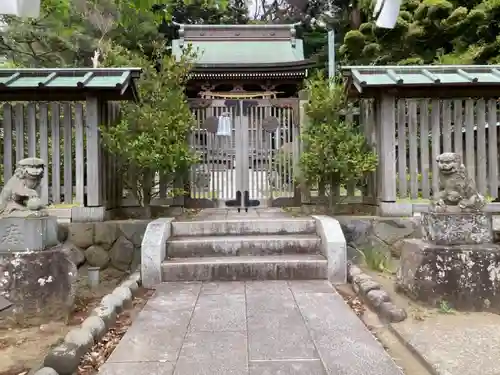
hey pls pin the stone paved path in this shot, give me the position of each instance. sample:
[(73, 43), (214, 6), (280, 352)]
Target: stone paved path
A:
[(248, 328)]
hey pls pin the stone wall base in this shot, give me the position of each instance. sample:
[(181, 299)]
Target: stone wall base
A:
[(467, 277)]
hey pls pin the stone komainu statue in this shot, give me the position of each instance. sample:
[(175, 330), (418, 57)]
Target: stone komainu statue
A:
[(457, 191), (20, 193)]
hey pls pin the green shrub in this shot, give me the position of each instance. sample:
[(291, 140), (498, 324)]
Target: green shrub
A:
[(335, 152)]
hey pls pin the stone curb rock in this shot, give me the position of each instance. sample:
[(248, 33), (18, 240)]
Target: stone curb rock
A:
[(106, 313), (125, 295), (131, 285), (96, 326), (113, 301), (80, 337), (65, 358), (372, 292), (136, 276), (46, 371)]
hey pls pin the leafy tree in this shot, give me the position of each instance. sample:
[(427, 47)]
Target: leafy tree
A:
[(153, 134), (335, 152), (429, 31), (201, 12), (68, 31)]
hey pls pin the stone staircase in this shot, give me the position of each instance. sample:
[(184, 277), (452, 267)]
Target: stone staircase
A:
[(244, 249)]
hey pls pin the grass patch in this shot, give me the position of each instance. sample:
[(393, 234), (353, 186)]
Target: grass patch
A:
[(376, 259), (445, 308)]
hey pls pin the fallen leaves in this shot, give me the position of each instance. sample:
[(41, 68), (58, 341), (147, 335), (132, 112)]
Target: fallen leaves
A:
[(353, 301)]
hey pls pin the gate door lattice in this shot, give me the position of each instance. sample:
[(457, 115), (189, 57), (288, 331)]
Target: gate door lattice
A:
[(247, 150)]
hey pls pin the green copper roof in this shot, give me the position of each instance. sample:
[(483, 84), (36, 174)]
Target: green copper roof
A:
[(114, 83), (420, 75), (243, 52)]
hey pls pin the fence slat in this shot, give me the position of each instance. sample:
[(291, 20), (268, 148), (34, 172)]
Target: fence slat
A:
[(413, 135), (7, 142), (68, 152), (458, 126), (403, 187), (56, 157), (387, 147), (79, 155), (469, 138), (482, 182), (371, 134), (447, 126), (44, 150), (92, 122), (436, 138), (32, 130), (492, 148), (424, 146), (19, 120), (103, 154)]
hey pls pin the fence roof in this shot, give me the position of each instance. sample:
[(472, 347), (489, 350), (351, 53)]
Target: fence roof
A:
[(68, 84), (423, 80)]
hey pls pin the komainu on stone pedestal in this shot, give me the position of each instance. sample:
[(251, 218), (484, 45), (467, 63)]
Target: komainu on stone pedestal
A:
[(457, 191), (20, 196), (24, 224), (455, 261)]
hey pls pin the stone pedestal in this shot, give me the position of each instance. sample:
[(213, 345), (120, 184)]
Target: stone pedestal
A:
[(457, 228), (465, 276), (41, 285), (28, 233)]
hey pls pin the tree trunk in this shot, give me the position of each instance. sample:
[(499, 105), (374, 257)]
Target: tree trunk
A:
[(147, 186)]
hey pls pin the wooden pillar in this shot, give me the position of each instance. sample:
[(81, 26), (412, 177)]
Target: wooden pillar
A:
[(368, 123), (93, 165), (103, 157), (302, 191), (386, 134)]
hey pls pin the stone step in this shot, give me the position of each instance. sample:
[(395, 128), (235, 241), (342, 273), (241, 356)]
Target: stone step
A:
[(230, 268), (214, 246), (244, 227)]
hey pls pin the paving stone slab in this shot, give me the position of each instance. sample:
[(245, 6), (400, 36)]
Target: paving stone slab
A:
[(213, 353), (267, 287), (293, 367), (344, 343), (159, 329), (218, 312), (225, 287), (276, 329), (132, 368), (179, 288), (273, 328), (310, 286)]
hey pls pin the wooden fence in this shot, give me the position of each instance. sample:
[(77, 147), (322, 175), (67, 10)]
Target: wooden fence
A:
[(60, 134), (426, 128)]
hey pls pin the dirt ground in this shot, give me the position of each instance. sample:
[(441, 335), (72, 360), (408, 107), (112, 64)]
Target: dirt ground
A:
[(22, 348)]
